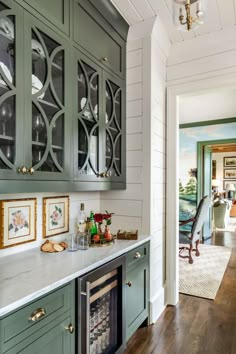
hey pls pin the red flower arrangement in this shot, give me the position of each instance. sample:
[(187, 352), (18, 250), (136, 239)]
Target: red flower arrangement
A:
[(100, 217)]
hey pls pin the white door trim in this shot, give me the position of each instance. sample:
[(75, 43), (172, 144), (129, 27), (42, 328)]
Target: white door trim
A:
[(172, 173)]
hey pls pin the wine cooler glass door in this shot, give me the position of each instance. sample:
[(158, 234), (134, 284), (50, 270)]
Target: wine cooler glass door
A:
[(104, 314)]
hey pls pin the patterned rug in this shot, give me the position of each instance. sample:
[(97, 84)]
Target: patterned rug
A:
[(203, 277)]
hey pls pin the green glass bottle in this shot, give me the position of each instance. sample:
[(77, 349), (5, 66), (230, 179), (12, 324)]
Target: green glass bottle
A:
[(93, 226)]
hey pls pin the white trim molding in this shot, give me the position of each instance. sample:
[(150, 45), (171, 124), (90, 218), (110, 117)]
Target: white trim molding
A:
[(172, 203)]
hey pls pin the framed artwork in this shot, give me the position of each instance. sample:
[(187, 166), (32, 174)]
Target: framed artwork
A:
[(18, 220), (213, 169), (55, 215), (230, 173), (228, 182), (230, 161)]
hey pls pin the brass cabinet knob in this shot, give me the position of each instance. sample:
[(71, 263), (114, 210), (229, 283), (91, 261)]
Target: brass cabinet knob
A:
[(105, 59), (70, 328), (107, 174), (137, 255), (31, 171), (102, 174), (24, 170), (129, 284), (37, 314)]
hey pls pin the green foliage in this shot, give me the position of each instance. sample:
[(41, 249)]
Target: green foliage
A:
[(181, 188), (191, 186)]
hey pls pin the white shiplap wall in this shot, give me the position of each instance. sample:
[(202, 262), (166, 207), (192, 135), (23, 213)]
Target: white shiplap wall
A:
[(127, 205), (142, 205), (209, 56), (91, 200)]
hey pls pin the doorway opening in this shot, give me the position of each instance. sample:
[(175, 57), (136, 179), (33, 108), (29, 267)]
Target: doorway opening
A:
[(217, 175)]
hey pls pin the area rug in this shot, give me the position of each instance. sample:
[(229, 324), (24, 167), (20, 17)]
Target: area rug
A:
[(203, 277)]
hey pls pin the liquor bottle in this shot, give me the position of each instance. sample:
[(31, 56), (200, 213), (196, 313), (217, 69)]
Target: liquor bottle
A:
[(81, 222), (93, 226)]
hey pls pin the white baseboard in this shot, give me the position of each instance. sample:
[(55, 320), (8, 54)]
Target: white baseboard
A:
[(157, 305)]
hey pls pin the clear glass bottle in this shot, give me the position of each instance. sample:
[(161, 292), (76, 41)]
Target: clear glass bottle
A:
[(81, 221)]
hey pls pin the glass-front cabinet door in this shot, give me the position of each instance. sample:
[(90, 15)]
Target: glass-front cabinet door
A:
[(99, 124), (47, 100), (114, 128), (87, 122), (11, 81)]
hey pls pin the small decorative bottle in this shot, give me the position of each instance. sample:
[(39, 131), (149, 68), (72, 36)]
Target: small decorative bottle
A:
[(93, 226), (83, 237), (81, 221)]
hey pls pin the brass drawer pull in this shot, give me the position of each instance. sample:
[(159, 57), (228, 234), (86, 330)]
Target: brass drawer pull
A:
[(70, 328), (37, 314), (129, 284), (137, 255)]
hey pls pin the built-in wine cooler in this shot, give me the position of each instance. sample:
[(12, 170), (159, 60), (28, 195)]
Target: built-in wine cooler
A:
[(101, 310)]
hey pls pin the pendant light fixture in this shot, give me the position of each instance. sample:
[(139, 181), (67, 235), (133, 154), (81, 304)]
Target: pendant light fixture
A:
[(189, 14)]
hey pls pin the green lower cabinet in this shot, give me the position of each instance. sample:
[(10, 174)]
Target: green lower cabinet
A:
[(44, 326), (57, 340), (137, 292)]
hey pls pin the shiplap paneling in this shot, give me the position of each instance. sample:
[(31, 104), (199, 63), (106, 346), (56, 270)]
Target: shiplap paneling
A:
[(134, 59), (208, 64), (226, 13), (128, 11), (134, 125), (220, 16), (143, 8)]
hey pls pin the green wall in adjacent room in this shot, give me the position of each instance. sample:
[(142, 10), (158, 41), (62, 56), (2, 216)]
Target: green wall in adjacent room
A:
[(189, 136)]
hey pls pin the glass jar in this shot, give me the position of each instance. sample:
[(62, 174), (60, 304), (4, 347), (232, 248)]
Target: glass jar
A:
[(83, 241)]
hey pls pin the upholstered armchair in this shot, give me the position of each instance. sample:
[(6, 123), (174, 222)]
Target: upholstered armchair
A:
[(190, 239)]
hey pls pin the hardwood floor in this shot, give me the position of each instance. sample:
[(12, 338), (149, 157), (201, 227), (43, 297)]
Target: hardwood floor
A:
[(195, 325)]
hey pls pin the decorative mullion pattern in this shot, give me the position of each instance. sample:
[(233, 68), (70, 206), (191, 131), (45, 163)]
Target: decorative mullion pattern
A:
[(10, 87), (47, 148), (112, 119), (50, 62)]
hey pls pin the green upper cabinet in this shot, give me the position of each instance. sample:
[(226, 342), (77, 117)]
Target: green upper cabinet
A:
[(94, 34), (11, 93), (62, 95), (99, 124), (55, 11), (47, 102)]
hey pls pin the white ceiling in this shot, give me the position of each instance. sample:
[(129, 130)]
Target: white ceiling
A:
[(220, 16), (208, 105)]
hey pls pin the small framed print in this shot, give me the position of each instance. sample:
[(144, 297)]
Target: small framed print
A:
[(18, 220), (230, 173), (230, 161), (55, 215)]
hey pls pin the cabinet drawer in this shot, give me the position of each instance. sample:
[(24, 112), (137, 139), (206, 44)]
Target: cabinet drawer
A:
[(97, 37), (29, 319), (137, 255)]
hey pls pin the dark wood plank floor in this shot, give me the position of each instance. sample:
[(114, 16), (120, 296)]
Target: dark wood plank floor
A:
[(195, 325)]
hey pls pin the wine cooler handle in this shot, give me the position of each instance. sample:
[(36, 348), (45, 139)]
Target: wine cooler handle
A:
[(88, 317)]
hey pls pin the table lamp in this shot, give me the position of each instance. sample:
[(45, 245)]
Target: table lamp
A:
[(230, 187), (215, 183)]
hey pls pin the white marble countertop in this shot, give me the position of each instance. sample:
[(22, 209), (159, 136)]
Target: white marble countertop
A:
[(28, 275)]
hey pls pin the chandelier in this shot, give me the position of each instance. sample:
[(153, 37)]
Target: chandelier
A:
[(188, 14)]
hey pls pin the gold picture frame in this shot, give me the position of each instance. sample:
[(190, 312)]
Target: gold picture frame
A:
[(18, 221), (55, 215)]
